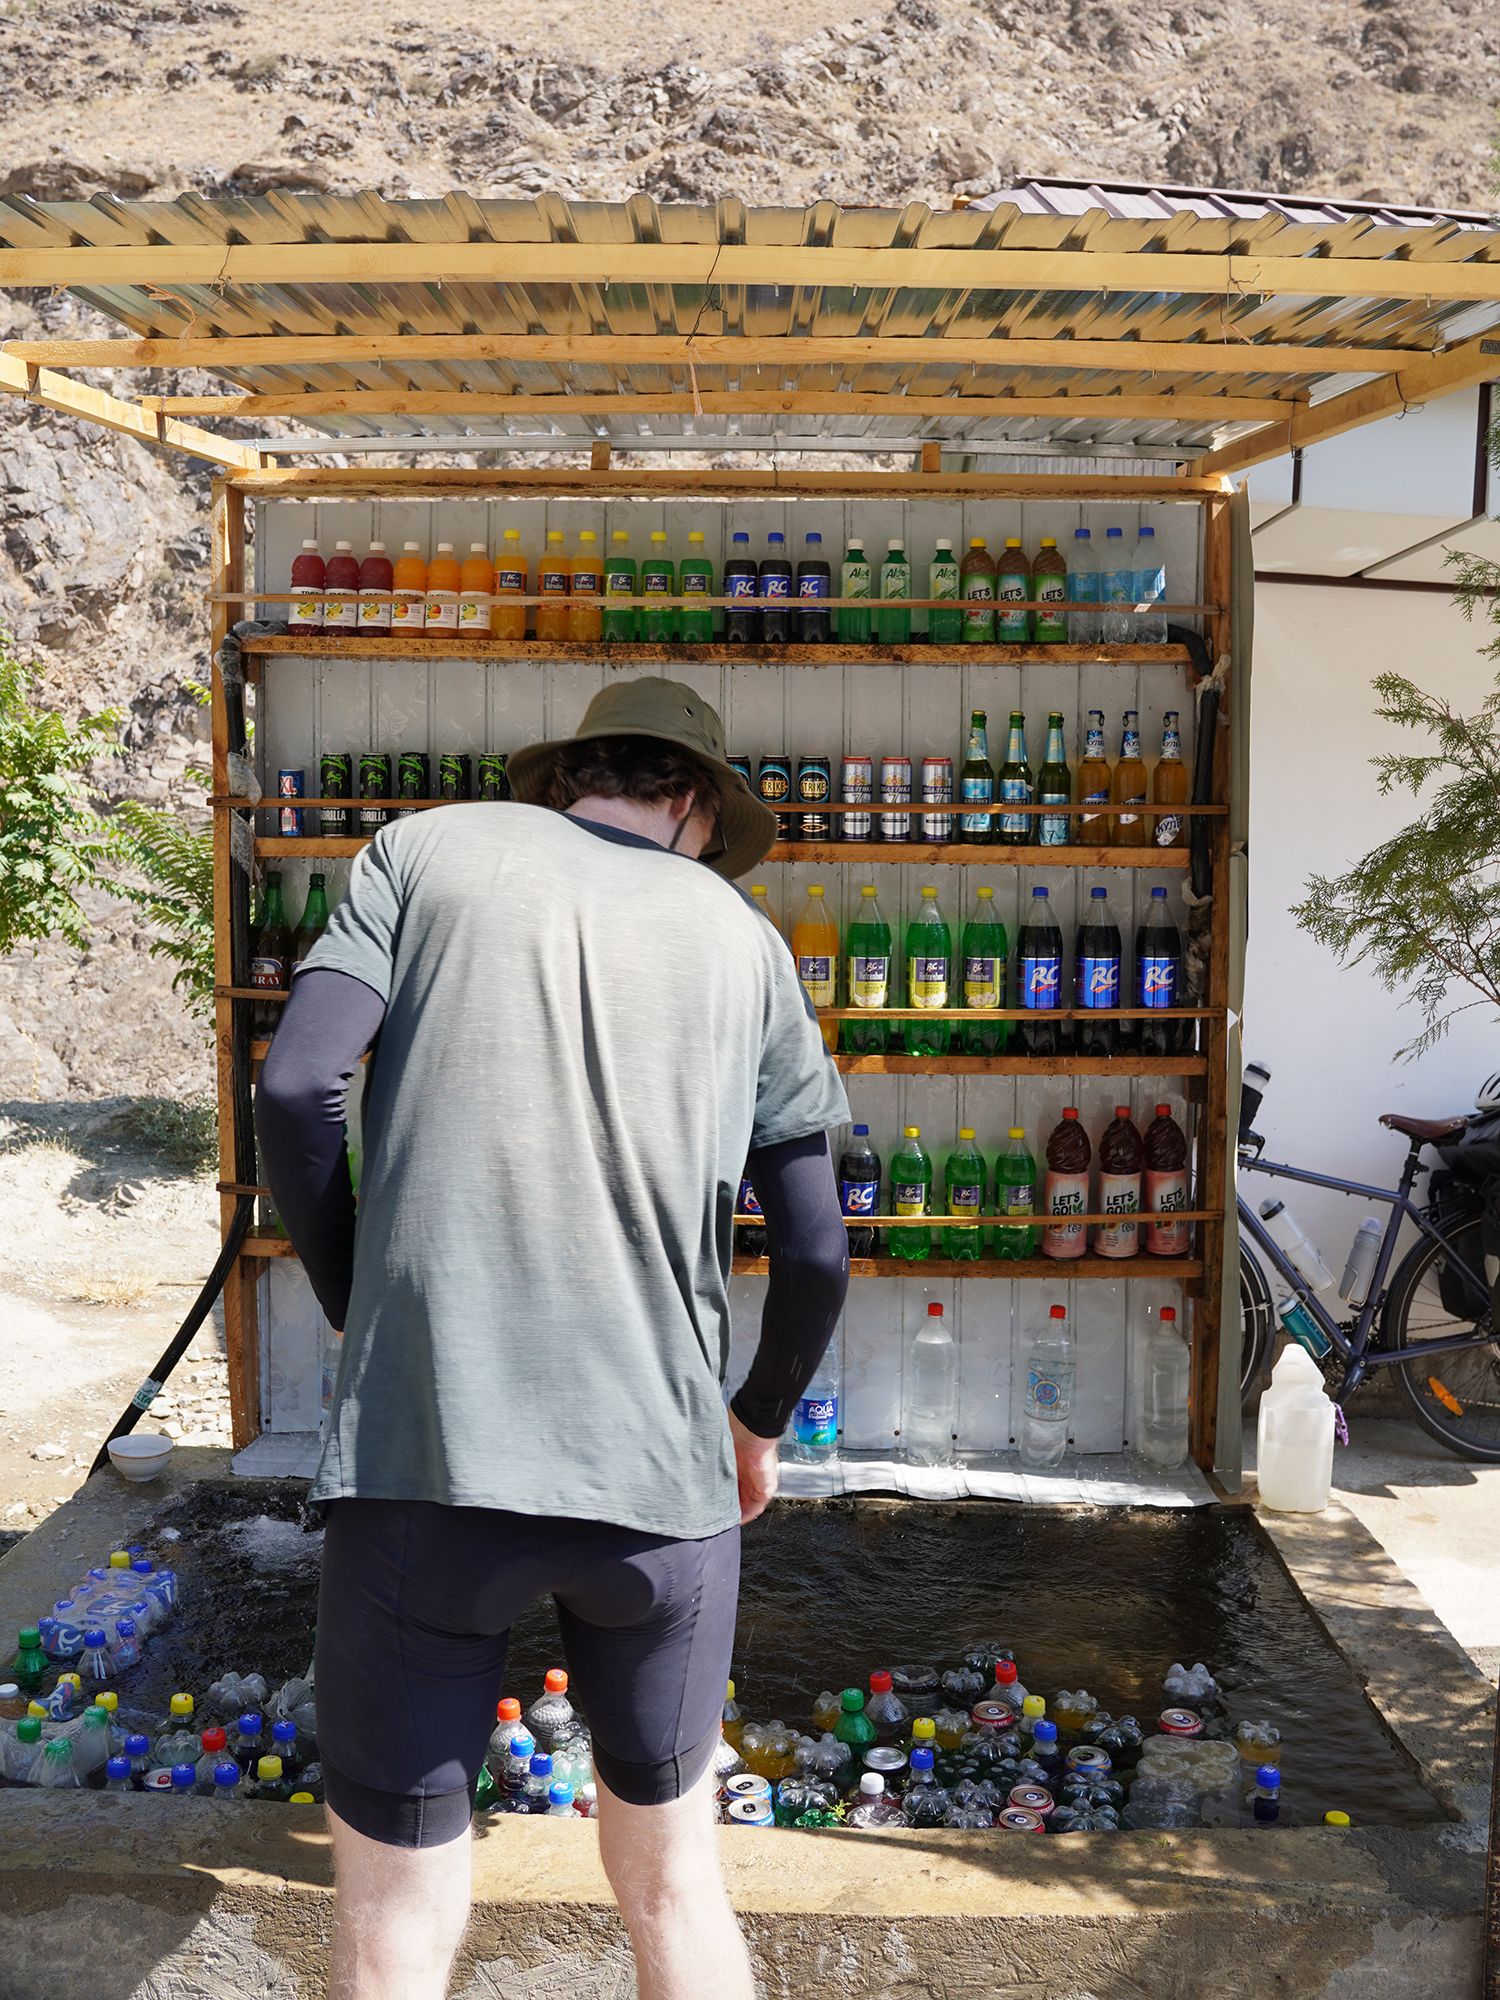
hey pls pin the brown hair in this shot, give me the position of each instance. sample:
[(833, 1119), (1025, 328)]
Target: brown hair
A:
[(628, 767)]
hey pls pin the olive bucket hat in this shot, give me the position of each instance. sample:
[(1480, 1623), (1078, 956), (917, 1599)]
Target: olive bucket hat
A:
[(672, 713)]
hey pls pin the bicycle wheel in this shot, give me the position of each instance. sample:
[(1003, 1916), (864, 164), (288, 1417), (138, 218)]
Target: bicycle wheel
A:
[(1455, 1397), (1257, 1319)]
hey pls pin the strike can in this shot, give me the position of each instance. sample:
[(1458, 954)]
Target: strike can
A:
[(937, 790), (745, 769), (454, 775), (374, 783), (857, 788), (774, 784), (290, 785), (494, 779), (895, 790), (814, 784), (411, 781), (335, 781)]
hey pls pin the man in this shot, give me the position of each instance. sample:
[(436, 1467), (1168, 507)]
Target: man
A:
[(576, 1037)]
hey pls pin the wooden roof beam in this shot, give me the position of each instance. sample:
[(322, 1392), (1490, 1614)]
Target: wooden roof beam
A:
[(95, 406)]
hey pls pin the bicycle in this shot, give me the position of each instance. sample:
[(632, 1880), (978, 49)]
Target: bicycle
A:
[(1410, 1324)]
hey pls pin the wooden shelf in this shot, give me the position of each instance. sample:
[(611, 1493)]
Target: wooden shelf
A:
[(820, 853), (636, 654)]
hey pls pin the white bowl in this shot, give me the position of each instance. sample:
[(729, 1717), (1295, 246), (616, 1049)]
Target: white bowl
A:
[(141, 1455)]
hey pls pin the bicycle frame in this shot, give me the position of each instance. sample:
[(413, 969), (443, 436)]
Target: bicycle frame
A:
[(1354, 1347)]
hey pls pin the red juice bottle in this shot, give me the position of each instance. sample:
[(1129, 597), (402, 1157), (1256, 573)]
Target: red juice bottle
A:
[(308, 577), (376, 582), (341, 603)]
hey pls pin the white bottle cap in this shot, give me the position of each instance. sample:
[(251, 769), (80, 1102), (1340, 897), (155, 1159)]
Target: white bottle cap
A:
[(412, 548), (343, 545), (445, 545), (477, 549), (377, 548), (896, 544), (309, 545), (871, 1785)]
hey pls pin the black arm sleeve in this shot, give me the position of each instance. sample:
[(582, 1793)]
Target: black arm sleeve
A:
[(809, 1249), (325, 1028)]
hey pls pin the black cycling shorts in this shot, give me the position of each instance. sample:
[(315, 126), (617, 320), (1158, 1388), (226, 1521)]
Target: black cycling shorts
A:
[(414, 1616)]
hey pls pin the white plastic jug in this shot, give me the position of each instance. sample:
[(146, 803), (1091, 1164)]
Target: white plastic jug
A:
[(1294, 1448)]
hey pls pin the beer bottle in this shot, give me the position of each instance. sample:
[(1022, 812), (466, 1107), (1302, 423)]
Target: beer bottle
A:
[(1129, 786), (314, 920), (1015, 785), (1055, 787), (1170, 785), (270, 956), (976, 783), (1093, 784)]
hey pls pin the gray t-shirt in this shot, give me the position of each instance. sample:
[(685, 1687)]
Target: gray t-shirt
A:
[(584, 1038)]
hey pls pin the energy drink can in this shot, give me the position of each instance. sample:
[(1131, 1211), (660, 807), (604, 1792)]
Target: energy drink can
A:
[(335, 781), (749, 1812), (814, 783), (1016, 1819), (745, 769), (454, 778), (494, 780), (887, 1760), (745, 1785), (1088, 1758), (411, 781), (857, 788), (1031, 1798), (937, 790), (895, 790), (290, 785), (374, 783), (774, 784)]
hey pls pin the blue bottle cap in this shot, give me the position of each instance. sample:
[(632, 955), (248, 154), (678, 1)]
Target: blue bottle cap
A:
[(1112, 531), (284, 1732), (1268, 1777), (1098, 895), (1081, 535), (250, 1725), (94, 1638), (227, 1773), (117, 1767), (861, 1131), (184, 1777), (776, 536), (922, 1759), (541, 1765), (1039, 892), (561, 1795), (522, 1745), (814, 536), (143, 1566), (1148, 531), (739, 535), (137, 1746), (1044, 1732), (124, 1628)]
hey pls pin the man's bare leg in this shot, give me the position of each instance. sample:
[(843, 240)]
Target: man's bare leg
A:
[(663, 1865), (399, 1916)]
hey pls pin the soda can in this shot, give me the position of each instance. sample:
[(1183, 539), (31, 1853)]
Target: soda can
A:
[(1180, 1722), (374, 783), (746, 1785), (745, 769), (454, 780), (886, 1759), (937, 790), (1031, 1798), (895, 790), (992, 1715), (814, 783), (335, 781), (1093, 1762), (749, 1812), (774, 785), (494, 779), (857, 788), (1016, 1819), (290, 785), (411, 781)]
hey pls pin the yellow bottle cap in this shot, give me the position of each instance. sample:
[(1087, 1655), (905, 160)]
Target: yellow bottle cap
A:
[(976, 541), (966, 1131), (730, 1695), (512, 535), (35, 1708), (619, 535), (912, 1131), (816, 889), (1012, 541), (695, 534), (73, 1680), (587, 535), (1049, 541), (302, 1799), (1017, 1132), (1337, 1819), (868, 889), (986, 893), (120, 1559), (923, 1729), (757, 888), (109, 1701), (268, 1767), (180, 1704), (660, 535), (1033, 1705), (554, 534)]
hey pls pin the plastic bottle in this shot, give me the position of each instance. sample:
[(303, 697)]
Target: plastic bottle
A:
[(1129, 786), (1158, 973), (1297, 1244), (1054, 787), (976, 783), (554, 581), (1094, 829), (1015, 787), (1265, 1800), (774, 591), (1083, 588), (1170, 786), (377, 580), (585, 589), (476, 579), (117, 1775), (854, 1727), (1039, 979), (985, 951), (507, 1725), (977, 587), (1359, 1269), (560, 1802), (815, 1420), (885, 1708), (1163, 1440), (284, 1745), (249, 1741), (925, 1803), (741, 577), (1013, 594), (732, 1725), (58, 1770), (657, 622), (1166, 1184), (929, 1416), (872, 1808), (1116, 590), (814, 587), (1150, 586), (409, 585), (1294, 1437), (13, 1704), (23, 1753), (1015, 1195), (1049, 587), (440, 619), (859, 1188), (552, 1716), (929, 977), (964, 1186), (515, 1767), (1048, 1406), (96, 1664), (867, 976), (619, 620), (815, 946), (1065, 1189), (854, 582), (695, 624), (215, 1747), (508, 621), (1122, 1158), (944, 626), (226, 1784), (911, 1194), (305, 615), (894, 627), (1097, 980), (91, 1744), (270, 1782)]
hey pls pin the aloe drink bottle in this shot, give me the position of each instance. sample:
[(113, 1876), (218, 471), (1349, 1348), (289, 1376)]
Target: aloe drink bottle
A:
[(895, 583), (929, 977), (867, 961), (985, 950), (911, 1194), (854, 581), (964, 1184), (944, 625)]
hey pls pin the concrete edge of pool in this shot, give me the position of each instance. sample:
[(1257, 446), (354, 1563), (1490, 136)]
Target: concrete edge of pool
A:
[(239, 1902)]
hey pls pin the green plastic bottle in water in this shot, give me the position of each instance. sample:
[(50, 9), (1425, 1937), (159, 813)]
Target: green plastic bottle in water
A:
[(929, 977), (964, 1183), (986, 949), (911, 1194), (867, 965), (1015, 1195)]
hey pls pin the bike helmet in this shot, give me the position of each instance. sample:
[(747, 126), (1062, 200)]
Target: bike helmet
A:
[(1487, 1098)]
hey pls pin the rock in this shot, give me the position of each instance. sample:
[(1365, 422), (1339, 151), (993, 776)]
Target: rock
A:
[(45, 1452)]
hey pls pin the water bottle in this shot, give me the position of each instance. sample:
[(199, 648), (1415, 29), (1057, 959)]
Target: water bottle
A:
[(1083, 588), (1296, 1245), (1302, 1327), (1364, 1254), (117, 1775), (1116, 590), (815, 1421), (1164, 1402), (1294, 1437), (930, 1416), (560, 1797), (536, 1792), (552, 1717), (226, 1780), (1150, 588), (516, 1767), (1049, 1393)]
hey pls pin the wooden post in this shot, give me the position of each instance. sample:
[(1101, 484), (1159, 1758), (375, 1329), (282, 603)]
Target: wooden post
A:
[(932, 458), (599, 455)]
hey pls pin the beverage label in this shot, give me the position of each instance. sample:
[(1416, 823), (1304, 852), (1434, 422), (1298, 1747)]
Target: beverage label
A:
[(856, 582), (775, 586), (474, 612), (1053, 828), (739, 586), (1100, 798), (895, 580), (510, 581), (1048, 1393), (375, 611), (587, 582), (812, 586), (1013, 620), (747, 1202), (407, 612), (1018, 1198), (553, 583), (816, 1421), (1119, 1194), (859, 1197), (1015, 792), (1051, 588), (695, 584), (910, 1199), (308, 611), (1156, 981), (619, 583), (1165, 1194), (1065, 1195), (268, 972), (1169, 830), (927, 982), (982, 977), (1041, 982), (964, 1200), (340, 613), (816, 975), (1129, 819), (1099, 982), (869, 982), (942, 580), (442, 614)]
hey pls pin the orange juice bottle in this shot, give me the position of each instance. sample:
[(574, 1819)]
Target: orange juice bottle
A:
[(474, 580), (508, 621), (552, 585), (442, 592), (815, 946), (409, 581), (585, 619)]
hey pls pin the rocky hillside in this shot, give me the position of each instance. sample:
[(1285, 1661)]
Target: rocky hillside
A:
[(102, 542)]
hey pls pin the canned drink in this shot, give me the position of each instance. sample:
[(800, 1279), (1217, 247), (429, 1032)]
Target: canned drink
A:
[(454, 779), (411, 781), (290, 785), (857, 788), (494, 777), (992, 1715), (895, 790), (886, 1759), (1180, 1722), (749, 1812), (1094, 1762), (1016, 1819), (1031, 1798), (814, 784), (937, 790), (336, 781), (745, 768), (747, 1785), (374, 783), (774, 785)]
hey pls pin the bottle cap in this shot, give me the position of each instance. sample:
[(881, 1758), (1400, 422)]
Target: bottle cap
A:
[(861, 1131), (561, 1794), (869, 889), (412, 548), (1329, 1818), (73, 1680), (658, 534), (61, 1747), (851, 1701), (116, 1768), (1098, 895), (929, 894), (1113, 531), (812, 535), (1039, 891), (556, 1681), (250, 1724), (1016, 1132), (729, 1691), (284, 1731), (695, 534), (923, 1759), (1058, 1312), (966, 1131), (911, 1132), (445, 548), (739, 535), (1163, 1110), (136, 1745), (511, 535), (1080, 534), (1158, 895), (1168, 1313), (1033, 1704), (477, 549), (943, 542), (214, 1739), (880, 1681), (1045, 1732), (896, 544), (522, 1744), (268, 1767), (553, 535), (95, 1716), (28, 1638), (976, 541), (227, 1773), (934, 1311), (1268, 1777), (985, 893), (541, 1765), (120, 1559), (184, 1777), (180, 1704), (508, 1709), (302, 1799), (587, 535), (1012, 541), (816, 889), (29, 1729), (343, 545), (1122, 1111), (1146, 529), (1071, 1112), (1005, 1673), (620, 535), (872, 1785), (923, 1730), (309, 545), (1049, 541), (94, 1637), (109, 1702), (776, 536)]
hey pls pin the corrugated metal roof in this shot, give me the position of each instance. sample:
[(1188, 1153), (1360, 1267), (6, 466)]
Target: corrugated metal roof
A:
[(1135, 200)]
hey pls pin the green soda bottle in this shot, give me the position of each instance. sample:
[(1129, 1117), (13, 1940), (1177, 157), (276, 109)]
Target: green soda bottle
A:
[(29, 1667), (658, 623), (911, 1194), (986, 949), (1015, 1195), (314, 920), (964, 1183), (944, 627), (895, 583), (694, 623), (619, 582), (854, 581), (867, 955), (854, 1727), (1054, 787), (929, 977)]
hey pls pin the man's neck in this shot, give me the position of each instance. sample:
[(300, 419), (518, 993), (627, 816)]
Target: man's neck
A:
[(629, 815)]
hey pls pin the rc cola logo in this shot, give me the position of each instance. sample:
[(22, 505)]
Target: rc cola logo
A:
[(1101, 977), (1158, 977), (1041, 982), (859, 1197)]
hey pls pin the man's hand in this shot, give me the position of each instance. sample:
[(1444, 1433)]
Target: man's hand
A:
[(758, 1465)]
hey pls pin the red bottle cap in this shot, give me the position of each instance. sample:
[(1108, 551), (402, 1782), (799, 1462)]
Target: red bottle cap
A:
[(214, 1739), (934, 1311), (1122, 1111), (1005, 1673), (508, 1709), (1168, 1312), (1071, 1112), (1163, 1110), (880, 1682), (556, 1681), (1059, 1312)]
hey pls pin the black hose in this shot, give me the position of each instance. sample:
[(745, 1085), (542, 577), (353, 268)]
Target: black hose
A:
[(1200, 829)]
